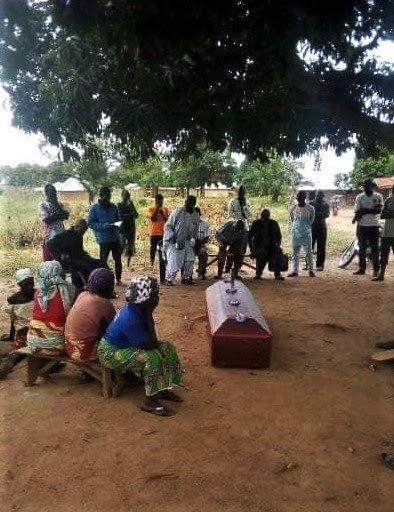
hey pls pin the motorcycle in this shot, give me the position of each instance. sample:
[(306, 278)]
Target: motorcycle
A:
[(352, 250)]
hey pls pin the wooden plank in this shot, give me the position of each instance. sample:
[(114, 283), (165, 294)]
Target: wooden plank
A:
[(47, 368), (383, 355), (106, 382), (34, 364)]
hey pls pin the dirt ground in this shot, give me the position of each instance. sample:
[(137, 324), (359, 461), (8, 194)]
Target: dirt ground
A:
[(304, 435)]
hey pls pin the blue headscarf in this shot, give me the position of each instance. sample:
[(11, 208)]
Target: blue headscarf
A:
[(49, 280)]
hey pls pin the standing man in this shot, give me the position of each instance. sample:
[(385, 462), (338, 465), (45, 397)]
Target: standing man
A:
[(367, 209), (52, 214), (128, 215), (158, 215), (319, 228), (264, 241), (387, 235), (102, 218), (180, 233), (302, 216), (232, 237), (201, 245)]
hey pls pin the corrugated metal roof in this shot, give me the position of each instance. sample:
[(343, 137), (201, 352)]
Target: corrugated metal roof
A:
[(386, 182), (70, 185)]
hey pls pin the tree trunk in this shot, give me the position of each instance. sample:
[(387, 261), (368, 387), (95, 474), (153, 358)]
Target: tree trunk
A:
[(202, 191)]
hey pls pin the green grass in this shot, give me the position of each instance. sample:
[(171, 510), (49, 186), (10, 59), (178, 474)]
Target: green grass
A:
[(20, 231)]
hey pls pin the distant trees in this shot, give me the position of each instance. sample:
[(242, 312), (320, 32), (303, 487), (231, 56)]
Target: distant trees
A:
[(372, 168), (273, 178), (28, 175)]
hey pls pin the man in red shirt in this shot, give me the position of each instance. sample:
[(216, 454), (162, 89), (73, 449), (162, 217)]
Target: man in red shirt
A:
[(158, 215)]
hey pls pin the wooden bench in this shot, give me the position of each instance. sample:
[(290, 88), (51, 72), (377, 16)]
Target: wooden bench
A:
[(39, 365)]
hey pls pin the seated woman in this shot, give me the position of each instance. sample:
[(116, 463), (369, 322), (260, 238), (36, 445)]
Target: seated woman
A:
[(130, 344), (52, 302), (90, 315), (19, 307)]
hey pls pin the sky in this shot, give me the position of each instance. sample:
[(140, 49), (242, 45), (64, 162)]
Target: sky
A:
[(19, 147)]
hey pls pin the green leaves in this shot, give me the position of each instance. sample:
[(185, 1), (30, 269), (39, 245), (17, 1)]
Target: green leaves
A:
[(256, 74)]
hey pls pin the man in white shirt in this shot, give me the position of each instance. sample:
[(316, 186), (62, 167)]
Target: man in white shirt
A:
[(367, 210), (387, 235), (201, 245)]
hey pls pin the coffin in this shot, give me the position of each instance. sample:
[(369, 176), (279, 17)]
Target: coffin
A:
[(240, 336)]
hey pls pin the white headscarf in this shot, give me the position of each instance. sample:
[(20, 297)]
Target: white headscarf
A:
[(22, 274)]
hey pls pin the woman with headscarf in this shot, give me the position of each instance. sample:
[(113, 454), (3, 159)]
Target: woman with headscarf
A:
[(53, 299), (130, 344), (90, 316)]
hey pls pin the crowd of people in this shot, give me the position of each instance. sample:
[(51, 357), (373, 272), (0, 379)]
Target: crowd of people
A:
[(53, 316)]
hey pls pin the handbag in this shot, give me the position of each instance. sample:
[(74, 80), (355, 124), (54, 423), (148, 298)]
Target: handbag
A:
[(278, 261)]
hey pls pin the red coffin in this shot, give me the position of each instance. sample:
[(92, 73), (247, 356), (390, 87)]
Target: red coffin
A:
[(240, 334)]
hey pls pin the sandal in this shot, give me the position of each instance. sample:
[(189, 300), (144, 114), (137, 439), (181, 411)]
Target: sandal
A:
[(159, 410), (169, 395)]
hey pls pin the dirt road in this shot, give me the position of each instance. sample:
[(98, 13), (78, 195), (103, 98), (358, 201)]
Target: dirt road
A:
[(304, 435)]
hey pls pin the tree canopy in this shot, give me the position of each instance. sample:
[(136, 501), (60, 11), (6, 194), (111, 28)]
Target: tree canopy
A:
[(254, 74), (372, 168), (273, 178)]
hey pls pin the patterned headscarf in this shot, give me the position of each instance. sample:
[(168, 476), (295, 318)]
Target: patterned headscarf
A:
[(101, 282), (49, 280), (141, 288)]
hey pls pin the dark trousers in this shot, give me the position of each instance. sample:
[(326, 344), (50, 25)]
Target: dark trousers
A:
[(319, 237), (116, 249), (233, 257), (368, 235), (387, 244), (202, 255), (154, 241), (84, 265), (262, 258)]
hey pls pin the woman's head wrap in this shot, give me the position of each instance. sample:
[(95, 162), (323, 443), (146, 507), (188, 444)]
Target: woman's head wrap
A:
[(49, 279), (22, 274), (141, 288), (101, 282)]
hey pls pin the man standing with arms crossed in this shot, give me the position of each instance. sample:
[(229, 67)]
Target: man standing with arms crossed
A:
[(367, 209)]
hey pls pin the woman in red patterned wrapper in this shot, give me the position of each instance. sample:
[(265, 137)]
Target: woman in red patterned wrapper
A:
[(53, 299), (90, 315)]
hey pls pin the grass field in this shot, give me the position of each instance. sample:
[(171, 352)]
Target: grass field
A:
[(20, 231)]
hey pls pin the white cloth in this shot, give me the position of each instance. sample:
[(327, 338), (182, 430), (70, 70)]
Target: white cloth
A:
[(372, 201), (179, 258), (22, 274), (180, 227), (203, 230), (20, 314)]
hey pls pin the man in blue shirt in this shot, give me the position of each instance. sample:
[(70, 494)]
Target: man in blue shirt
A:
[(101, 219)]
